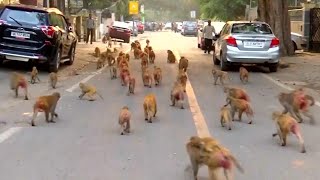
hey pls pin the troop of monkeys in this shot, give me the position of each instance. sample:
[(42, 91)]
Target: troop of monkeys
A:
[(209, 152), (202, 151)]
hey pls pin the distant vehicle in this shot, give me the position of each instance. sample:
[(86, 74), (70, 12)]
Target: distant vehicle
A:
[(140, 26), (120, 30), (247, 42), (217, 26), (299, 42), (190, 28), (134, 31), (167, 26), (36, 34), (179, 24)]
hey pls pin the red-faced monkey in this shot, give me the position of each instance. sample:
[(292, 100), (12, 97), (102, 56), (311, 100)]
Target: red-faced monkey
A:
[(19, 81)]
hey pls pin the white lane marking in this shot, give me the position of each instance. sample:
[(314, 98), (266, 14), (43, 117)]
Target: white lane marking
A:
[(8, 133), (198, 118), (75, 86), (317, 103)]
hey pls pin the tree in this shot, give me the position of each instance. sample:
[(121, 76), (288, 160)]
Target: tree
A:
[(275, 13)]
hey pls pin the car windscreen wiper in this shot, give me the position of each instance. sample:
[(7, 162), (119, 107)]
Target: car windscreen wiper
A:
[(15, 20)]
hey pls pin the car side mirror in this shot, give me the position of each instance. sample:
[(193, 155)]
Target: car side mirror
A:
[(70, 29)]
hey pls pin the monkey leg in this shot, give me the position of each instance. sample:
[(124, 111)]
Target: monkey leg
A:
[(215, 79), (16, 91), (181, 103), (145, 113), (284, 139), (127, 129), (233, 112), (26, 93), (297, 113), (195, 168), (91, 98), (301, 142), (38, 79), (35, 114), (173, 100), (150, 117), (240, 115), (46, 113), (82, 94), (221, 80), (222, 121)]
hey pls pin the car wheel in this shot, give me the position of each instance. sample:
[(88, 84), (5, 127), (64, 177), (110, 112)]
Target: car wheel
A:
[(273, 68), (55, 67), (223, 64), (199, 46), (72, 55), (294, 46), (215, 59)]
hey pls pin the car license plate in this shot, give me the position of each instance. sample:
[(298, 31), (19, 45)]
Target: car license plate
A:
[(20, 35), (253, 44)]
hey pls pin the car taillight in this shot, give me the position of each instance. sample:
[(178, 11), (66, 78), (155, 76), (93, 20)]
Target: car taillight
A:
[(231, 41), (274, 42), (48, 30)]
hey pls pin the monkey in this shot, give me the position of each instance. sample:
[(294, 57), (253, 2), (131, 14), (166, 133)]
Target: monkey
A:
[(34, 75), (100, 62), (97, 52), (146, 77), (104, 39), (244, 75), (237, 93), (240, 106), (124, 76), (171, 57), (124, 119), (114, 42), (221, 75), (132, 84), (208, 151), (18, 80), (127, 57), (225, 116), (119, 59), (89, 90), (152, 55), (138, 44), (113, 72), (120, 44), (111, 59), (149, 107), (147, 42), (133, 46), (297, 101), (182, 77), (53, 79), (157, 75), (183, 63), (144, 60), (177, 95), (136, 53), (46, 104), (286, 125), (109, 44)]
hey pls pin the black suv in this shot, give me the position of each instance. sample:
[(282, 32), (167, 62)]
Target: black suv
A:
[(40, 35)]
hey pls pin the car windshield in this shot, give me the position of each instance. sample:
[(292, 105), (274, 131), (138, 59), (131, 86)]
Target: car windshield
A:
[(191, 24), (20, 17), (251, 28)]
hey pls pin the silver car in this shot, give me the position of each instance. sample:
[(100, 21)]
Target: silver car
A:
[(247, 42)]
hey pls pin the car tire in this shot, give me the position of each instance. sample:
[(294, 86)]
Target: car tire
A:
[(199, 46), (223, 64), (72, 55), (215, 59), (294, 46), (273, 68), (55, 67)]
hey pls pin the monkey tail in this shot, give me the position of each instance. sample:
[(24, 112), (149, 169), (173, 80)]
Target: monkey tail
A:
[(311, 99)]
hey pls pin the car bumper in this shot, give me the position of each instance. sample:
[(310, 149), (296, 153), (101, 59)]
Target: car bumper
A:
[(234, 55), (190, 32), (22, 56), (121, 36)]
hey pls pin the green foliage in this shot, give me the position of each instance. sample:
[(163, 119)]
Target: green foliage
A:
[(223, 9)]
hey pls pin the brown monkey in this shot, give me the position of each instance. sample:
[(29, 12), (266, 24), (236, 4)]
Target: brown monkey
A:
[(119, 59), (53, 79), (89, 90), (100, 62), (244, 75), (124, 120), (144, 60), (208, 151), (133, 46), (152, 55), (124, 75), (136, 53), (240, 106), (177, 95), (127, 55), (147, 42), (157, 75), (34, 75), (182, 78), (46, 104), (286, 125), (132, 84), (297, 101), (146, 77), (113, 72), (171, 57), (237, 93), (18, 80), (149, 107), (221, 75), (97, 52), (120, 44), (183, 63), (225, 116)]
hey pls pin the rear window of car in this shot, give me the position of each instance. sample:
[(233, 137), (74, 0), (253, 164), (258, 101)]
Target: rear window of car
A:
[(251, 28), (22, 17), (191, 24)]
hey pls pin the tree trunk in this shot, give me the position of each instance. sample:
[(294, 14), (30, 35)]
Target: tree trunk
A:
[(275, 13)]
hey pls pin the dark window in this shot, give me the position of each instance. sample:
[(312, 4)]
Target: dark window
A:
[(20, 17), (251, 28)]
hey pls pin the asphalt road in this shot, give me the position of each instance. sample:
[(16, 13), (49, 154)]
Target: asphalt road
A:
[(85, 142)]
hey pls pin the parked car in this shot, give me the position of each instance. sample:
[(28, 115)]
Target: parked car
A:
[(217, 26), (246, 42), (190, 28), (179, 26), (167, 26), (33, 34), (134, 31), (299, 42), (120, 30), (140, 27)]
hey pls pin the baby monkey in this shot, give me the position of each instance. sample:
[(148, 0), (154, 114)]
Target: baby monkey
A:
[(244, 75), (53, 79), (34, 75), (221, 75), (124, 120), (17, 81), (89, 90), (225, 117)]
